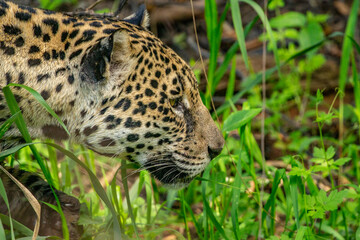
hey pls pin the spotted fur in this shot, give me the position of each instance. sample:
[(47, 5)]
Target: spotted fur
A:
[(22, 211), (119, 90)]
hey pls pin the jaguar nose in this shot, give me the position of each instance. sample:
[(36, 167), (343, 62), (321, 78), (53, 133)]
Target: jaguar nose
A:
[(213, 152)]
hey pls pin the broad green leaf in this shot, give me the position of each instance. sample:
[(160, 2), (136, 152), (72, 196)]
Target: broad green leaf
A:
[(310, 201), (301, 172), (330, 152), (319, 168), (321, 197), (334, 199), (342, 161), (310, 35), (318, 153), (288, 20), (240, 118), (276, 4), (317, 213)]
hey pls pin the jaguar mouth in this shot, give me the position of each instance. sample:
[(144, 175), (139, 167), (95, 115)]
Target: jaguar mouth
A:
[(169, 173)]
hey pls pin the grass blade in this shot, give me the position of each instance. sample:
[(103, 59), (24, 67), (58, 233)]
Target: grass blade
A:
[(20, 123), (236, 16), (355, 44), (208, 209), (127, 196), (5, 126), (271, 201), (18, 226), (265, 22), (346, 48), (32, 200), (295, 200), (97, 186), (6, 201)]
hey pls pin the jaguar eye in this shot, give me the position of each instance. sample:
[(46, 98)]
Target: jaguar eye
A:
[(175, 102)]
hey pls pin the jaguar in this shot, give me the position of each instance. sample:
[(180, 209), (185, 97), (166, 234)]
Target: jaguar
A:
[(119, 90)]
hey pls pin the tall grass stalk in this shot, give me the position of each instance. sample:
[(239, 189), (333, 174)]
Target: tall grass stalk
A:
[(345, 61)]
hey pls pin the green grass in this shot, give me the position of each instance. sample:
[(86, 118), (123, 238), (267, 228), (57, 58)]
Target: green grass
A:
[(312, 191)]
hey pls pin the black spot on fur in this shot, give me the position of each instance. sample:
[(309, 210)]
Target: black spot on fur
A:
[(95, 24), (78, 24), (152, 135), (74, 33), (106, 141), (34, 62), (109, 30), (67, 45), (88, 35), (46, 55), (58, 87), (129, 123), (62, 55), (46, 38), (149, 92), (158, 74), (37, 31), (133, 137), (127, 104), (45, 94), (154, 83), (71, 79), (21, 78), (9, 50), (8, 78), (34, 49), (152, 105), (103, 111), (22, 16), (90, 130), (12, 30), (64, 35), (55, 55), (75, 54), (128, 89), (27, 8), (41, 77), (19, 42), (53, 23), (110, 118)]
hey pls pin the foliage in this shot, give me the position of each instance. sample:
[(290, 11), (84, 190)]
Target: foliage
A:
[(312, 193)]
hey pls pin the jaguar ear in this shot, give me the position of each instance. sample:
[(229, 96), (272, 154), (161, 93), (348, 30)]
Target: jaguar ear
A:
[(140, 18), (95, 64), (109, 57)]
